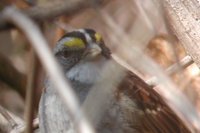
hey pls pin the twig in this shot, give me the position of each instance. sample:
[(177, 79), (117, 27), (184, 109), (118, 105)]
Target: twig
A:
[(21, 127), (51, 66), (185, 62), (54, 9), (172, 96), (9, 122), (7, 116), (102, 92), (30, 94), (145, 16)]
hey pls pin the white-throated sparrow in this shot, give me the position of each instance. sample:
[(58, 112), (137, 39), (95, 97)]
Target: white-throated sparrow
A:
[(136, 107)]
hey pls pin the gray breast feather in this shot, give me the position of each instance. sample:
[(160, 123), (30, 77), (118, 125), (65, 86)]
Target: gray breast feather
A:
[(54, 116), (52, 112)]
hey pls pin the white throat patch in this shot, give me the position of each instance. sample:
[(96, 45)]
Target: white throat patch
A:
[(86, 72)]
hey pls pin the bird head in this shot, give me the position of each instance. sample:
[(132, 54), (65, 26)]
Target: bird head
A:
[(84, 45)]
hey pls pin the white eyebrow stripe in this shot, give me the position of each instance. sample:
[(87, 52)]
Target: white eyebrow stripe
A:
[(87, 36)]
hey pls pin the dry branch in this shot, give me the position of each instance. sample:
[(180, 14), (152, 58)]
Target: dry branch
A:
[(101, 94), (22, 127), (8, 121), (54, 9), (174, 68), (57, 8), (169, 91), (183, 63), (11, 121), (31, 30), (183, 17), (30, 93)]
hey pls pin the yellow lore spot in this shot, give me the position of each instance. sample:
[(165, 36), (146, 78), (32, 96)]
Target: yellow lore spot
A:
[(75, 42), (98, 37)]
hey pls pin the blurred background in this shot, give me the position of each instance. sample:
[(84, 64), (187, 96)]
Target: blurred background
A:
[(143, 22)]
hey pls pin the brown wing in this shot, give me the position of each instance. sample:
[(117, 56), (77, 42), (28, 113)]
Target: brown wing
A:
[(156, 116)]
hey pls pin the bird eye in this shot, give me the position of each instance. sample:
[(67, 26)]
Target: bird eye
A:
[(66, 54)]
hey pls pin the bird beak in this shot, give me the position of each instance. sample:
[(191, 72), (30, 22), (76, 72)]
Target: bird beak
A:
[(92, 51)]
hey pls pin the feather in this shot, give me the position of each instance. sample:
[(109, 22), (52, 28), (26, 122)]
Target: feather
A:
[(157, 117)]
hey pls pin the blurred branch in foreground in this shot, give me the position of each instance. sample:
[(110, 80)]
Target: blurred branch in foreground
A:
[(54, 9), (21, 128), (183, 63), (8, 121), (100, 105), (8, 74), (171, 95), (32, 31), (31, 91)]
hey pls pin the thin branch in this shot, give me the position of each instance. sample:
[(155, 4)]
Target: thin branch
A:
[(57, 8), (54, 9), (30, 94), (171, 95), (7, 116), (40, 45), (9, 122), (103, 91), (145, 16), (183, 63), (21, 127)]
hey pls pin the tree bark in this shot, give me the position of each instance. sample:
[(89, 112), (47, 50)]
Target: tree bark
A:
[(184, 19)]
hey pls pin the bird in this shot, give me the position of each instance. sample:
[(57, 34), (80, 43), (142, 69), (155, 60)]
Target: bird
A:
[(136, 107)]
